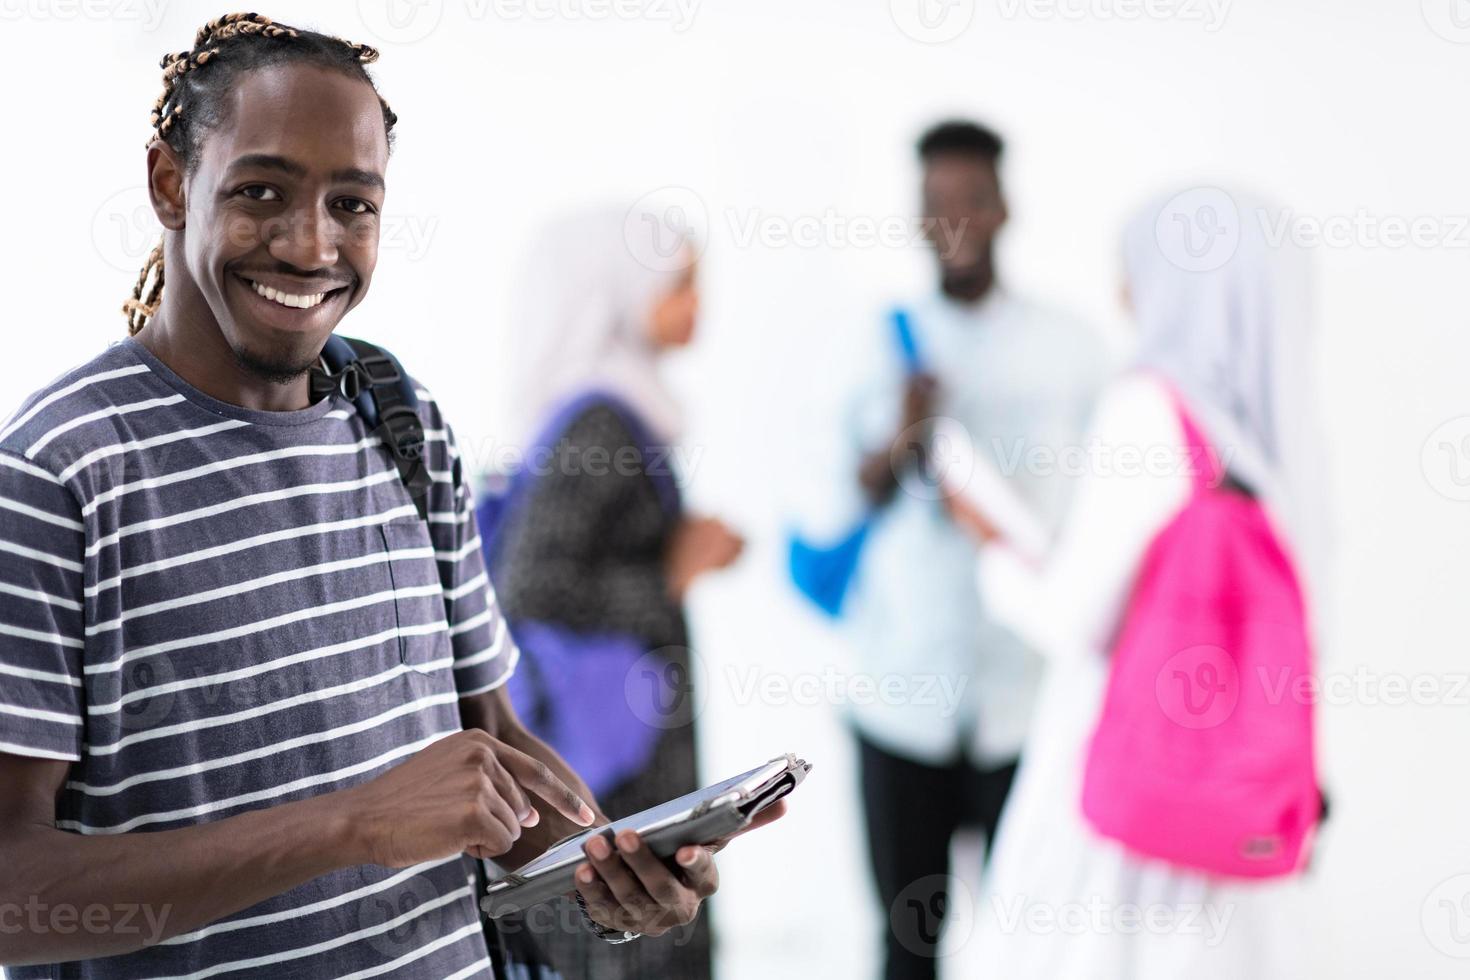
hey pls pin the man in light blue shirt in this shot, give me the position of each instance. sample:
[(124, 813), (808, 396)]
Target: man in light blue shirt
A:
[(940, 740)]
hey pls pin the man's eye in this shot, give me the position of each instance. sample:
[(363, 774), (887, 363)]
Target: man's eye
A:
[(259, 192), (356, 205)]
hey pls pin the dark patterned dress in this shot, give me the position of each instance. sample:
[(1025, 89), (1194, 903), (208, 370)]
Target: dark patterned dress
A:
[(586, 550)]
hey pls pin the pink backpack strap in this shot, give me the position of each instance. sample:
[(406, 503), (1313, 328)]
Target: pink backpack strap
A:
[(1204, 464)]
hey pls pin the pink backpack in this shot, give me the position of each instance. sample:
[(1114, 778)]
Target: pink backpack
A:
[(1203, 753)]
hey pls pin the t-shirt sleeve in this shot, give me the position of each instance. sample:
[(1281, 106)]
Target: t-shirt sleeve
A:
[(41, 619), (485, 654)]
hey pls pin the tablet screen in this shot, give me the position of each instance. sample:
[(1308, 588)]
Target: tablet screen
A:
[(649, 819)]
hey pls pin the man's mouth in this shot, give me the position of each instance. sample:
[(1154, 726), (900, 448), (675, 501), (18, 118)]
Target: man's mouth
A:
[(296, 300)]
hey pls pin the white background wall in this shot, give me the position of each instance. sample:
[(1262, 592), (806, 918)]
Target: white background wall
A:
[(791, 112)]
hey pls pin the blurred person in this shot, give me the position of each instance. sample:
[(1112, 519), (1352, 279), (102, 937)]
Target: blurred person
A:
[(1229, 346), (1018, 377), (594, 552), (253, 700)]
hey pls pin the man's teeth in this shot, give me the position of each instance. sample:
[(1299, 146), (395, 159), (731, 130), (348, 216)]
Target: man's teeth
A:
[(287, 299)]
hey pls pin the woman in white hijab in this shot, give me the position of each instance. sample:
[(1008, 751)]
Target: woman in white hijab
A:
[(593, 551), (1223, 320)]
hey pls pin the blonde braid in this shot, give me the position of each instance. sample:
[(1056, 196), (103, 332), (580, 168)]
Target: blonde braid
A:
[(138, 309)]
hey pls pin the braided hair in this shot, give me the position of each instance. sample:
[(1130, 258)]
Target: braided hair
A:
[(194, 85)]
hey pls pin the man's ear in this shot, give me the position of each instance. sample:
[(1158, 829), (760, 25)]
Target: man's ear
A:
[(166, 185)]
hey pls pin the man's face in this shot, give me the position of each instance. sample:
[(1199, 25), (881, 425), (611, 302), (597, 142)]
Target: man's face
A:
[(281, 232), (963, 211)]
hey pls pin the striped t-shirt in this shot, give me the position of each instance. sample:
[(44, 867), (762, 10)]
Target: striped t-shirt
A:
[(207, 610)]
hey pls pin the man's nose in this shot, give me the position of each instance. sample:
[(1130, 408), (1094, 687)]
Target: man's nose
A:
[(309, 241)]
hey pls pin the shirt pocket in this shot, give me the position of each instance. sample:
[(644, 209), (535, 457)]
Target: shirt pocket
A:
[(418, 597)]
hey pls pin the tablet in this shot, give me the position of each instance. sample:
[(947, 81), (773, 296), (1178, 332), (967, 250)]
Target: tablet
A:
[(702, 817)]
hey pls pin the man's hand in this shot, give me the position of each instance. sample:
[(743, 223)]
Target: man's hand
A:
[(878, 471), (468, 792), (631, 889)]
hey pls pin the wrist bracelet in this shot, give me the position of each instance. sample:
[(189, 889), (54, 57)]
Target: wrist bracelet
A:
[(613, 937)]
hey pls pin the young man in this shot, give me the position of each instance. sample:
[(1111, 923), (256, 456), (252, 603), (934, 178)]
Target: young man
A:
[(235, 662), (1018, 378)]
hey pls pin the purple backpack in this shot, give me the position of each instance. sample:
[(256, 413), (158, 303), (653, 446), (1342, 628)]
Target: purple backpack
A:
[(1203, 754), (581, 692)]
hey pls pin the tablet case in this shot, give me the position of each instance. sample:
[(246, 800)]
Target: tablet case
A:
[(710, 821)]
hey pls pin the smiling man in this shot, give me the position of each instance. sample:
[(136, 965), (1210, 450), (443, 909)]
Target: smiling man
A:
[(251, 705)]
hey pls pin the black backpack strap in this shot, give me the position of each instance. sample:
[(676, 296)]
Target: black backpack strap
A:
[(385, 398)]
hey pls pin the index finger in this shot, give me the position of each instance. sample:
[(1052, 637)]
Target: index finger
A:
[(537, 777)]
